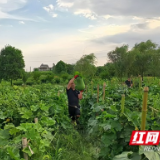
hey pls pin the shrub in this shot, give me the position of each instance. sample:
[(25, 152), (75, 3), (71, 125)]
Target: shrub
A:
[(18, 82), (64, 76), (43, 78), (57, 80), (30, 81)]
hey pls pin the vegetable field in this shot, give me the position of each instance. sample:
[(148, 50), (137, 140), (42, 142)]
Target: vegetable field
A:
[(109, 113)]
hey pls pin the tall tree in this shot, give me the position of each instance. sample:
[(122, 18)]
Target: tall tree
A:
[(118, 57), (60, 66), (86, 65), (154, 66), (11, 63), (70, 68), (143, 52)]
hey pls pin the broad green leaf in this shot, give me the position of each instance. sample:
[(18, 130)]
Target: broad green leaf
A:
[(25, 113), (9, 126), (116, 125), (105, 126), (152, 155), (123, 156), (2, 116), (4, 134), (44, 107), (14, 153), (34, 107), (48, 121), (108, 138), (13, 131)]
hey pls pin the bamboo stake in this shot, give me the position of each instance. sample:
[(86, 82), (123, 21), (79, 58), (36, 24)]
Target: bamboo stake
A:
[(122, 103), (58, 93), (24, 143), (140, 82), (104, 85), (97, 93), (144, 108), (36, 120)]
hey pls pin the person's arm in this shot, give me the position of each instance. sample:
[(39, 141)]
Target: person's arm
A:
[(80, 96), (71, 81)]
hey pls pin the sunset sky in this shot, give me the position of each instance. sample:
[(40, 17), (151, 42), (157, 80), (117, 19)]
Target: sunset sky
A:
[(47, 31)]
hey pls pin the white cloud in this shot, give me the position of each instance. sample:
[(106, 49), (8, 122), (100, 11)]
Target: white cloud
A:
[(90, 26), (108, 16), (7, 6), (110, 8), (61, 3), (49, 8), (21, 22), (86, 13), (11, 5), (3, 1), (54, 15)]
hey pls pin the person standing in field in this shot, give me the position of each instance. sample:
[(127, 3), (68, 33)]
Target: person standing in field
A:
[(73, 100), (129, 82)]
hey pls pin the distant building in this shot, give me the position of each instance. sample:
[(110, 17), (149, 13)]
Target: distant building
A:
[(44, 67)]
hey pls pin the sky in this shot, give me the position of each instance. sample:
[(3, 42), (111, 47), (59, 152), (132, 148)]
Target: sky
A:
[(47, 31)]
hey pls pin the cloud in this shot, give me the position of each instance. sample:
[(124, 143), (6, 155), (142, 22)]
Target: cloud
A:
[(21, 22), (105, 8), (65, 4), (3, 1), (54, 15), (11, 5), (140, 26), (8, 6), (86, 13), (90, 26), (130, 37), (49, 8)]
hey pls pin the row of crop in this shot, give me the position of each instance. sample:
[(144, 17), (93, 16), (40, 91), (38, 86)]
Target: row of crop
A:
[(19, 106), (108, 128)]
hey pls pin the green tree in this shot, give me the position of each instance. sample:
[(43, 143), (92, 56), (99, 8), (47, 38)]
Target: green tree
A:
[(25, 76), (11, 63), (155, 63), (36, 69), (70, 68), (110, 68), (86, 65), (144, 53), (36, 75), (59, 67), (118, 58), (99, 70)]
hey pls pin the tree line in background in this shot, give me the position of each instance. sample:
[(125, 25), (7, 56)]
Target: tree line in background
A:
[(143, 59)]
